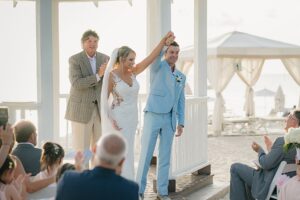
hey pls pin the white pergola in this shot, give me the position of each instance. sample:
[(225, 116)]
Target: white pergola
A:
[(190, 151), (243, 54)]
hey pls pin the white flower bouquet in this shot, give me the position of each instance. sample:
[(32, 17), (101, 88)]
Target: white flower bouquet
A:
[(292, 139)]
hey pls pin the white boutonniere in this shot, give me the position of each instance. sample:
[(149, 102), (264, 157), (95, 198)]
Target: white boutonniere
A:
[(178, 78)]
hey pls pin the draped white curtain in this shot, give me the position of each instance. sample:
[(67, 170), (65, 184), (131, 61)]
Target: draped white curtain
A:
[(293, 67), (219, 72), (249, 71)]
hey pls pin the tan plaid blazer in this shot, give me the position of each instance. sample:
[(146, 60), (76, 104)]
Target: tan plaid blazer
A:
[(85, 89)]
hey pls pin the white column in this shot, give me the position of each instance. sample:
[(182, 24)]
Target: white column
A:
[(45, 71), (200, 67), (200, 48), (55, 67), (158, 24)]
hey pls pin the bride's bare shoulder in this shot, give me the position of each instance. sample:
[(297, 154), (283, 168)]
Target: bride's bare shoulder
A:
[(114, 75)]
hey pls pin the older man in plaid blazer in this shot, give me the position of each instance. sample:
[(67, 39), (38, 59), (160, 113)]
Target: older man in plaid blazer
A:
[(83, 109)]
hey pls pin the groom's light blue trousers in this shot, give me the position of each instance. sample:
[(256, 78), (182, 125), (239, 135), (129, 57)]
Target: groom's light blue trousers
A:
[(156, 125)]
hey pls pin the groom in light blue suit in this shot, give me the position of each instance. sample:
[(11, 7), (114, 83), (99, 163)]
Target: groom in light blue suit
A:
[(163, 112)]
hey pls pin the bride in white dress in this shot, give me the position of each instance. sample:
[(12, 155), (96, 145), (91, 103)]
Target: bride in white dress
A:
[(119, 112)]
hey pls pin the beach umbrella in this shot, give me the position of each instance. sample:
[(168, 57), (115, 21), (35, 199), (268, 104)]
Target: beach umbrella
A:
[(279, 100), (264, 93)]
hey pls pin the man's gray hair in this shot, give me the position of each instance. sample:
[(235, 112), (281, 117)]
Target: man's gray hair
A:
[(111, 149)]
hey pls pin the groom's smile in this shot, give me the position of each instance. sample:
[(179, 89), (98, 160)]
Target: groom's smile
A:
[(171, 55)]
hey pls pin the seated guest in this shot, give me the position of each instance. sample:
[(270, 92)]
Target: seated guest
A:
[(290, 190), (52, 157), (244, 177), (79, 158), (26, 136), (12, 189), (31, 186), (64, 168), (102, 182)]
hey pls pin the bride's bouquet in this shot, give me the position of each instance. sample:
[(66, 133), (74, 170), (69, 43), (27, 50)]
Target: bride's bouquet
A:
[(292, 139)]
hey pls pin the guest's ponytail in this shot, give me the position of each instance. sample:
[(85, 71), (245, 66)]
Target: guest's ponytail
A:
[(52, 153)]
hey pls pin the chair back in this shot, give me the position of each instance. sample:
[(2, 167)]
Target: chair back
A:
[(289, 168), (273, 183)]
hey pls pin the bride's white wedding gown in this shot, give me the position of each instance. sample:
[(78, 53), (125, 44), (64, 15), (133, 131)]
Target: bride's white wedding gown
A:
[(125, 112)]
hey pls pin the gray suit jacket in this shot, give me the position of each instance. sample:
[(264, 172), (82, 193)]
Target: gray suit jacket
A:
[(85, 89), (262, 178), (29, 156)]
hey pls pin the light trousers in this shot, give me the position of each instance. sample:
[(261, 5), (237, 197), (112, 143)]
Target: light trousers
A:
[(156, 125), (84, 136)]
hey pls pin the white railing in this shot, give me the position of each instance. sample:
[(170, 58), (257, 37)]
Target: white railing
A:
[(190, 150), (21, 110)]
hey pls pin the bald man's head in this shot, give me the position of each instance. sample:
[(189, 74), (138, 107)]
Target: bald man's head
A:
[(111, 149)]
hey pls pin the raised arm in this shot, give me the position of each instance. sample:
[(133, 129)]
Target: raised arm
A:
[(33, 186), (140, 67), (274, 157)]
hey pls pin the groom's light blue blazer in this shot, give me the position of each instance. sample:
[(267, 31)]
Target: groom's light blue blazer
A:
[(166, 91)]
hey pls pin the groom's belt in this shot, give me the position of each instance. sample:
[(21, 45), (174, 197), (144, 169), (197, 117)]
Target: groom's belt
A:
[(95, 102)]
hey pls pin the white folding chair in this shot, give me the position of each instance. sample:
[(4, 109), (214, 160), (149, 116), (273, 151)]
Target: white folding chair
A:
[(282, 169)]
